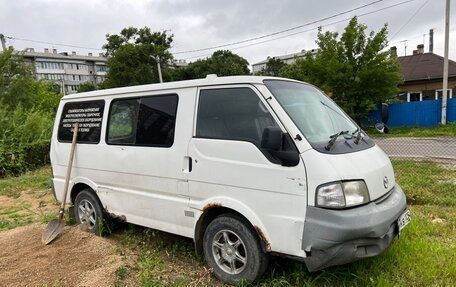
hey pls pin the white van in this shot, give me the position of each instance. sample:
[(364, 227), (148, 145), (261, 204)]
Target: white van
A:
[(246, 166)]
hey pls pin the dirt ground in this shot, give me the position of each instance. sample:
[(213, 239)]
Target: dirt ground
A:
[(75, 258), (30, 206)]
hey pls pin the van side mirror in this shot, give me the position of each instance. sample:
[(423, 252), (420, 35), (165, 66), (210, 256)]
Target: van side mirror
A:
[(272, 138), (273, 142), (381, 128)]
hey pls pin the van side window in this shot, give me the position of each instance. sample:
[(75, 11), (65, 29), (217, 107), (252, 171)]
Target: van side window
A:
[(122, 122), (145, 121), (89, 115), (232, 114)]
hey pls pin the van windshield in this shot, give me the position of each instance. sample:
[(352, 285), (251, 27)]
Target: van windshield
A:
[(316, 116)]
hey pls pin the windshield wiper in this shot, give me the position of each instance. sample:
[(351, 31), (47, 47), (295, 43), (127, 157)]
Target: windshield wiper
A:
[(333, 139), (358, 136)]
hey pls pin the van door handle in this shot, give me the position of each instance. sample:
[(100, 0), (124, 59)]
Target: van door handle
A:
[(187, 164)]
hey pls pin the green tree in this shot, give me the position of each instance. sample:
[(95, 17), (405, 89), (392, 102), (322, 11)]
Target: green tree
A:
[(222, 63), (133, 56), (27, 110), (87, 87), (19, 87), (356, 69), (273, 67), (225, 63), (16, 79)]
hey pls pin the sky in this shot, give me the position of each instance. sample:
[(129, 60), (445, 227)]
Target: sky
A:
[(200, 24)]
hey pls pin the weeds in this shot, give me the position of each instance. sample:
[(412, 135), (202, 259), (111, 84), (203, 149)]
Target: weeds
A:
[(104, 227), (26, 199), (25, 139), (37, 181), (121, 275)]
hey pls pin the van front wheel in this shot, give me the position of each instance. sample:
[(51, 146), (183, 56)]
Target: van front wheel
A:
[(233, 250), (88, 211)]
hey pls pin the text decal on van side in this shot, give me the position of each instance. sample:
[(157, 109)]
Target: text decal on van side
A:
[(89, 115)]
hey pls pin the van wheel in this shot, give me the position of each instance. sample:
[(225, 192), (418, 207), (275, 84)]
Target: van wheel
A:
[(88, 211), (233, 250)]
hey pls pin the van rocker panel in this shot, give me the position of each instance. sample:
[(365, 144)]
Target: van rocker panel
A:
[(335, 237)]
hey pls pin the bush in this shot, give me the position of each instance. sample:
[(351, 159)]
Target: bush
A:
[(24, 139), (27, 108)]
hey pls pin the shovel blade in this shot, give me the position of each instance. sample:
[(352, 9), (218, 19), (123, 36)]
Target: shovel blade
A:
[(53, 229)]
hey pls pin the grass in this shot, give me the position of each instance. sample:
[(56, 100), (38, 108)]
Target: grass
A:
[(162, 259), (448, 130), (39, 179), (427, 182), (424, 255), (11, 217), (121, 275), (26, 199)]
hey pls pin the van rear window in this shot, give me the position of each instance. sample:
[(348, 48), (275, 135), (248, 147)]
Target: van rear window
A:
[(88, 114)]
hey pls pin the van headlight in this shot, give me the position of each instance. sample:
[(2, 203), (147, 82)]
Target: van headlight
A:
[(342, 194)]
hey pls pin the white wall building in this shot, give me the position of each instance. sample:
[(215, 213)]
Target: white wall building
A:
[(68, 70), (178, 63), (287, 59)]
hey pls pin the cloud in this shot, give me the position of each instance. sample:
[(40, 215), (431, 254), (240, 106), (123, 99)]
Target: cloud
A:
[(205, 23)]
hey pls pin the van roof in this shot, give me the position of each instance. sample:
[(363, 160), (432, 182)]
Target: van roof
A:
[(210, 80)]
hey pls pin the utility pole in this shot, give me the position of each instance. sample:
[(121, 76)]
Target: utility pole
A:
[(2, 39), (160, 70), (445, 63)]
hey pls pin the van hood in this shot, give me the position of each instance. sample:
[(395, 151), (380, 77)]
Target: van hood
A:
[(371, 165)]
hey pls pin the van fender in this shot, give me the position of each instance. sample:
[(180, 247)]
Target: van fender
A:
[(237, 206), (82, 180)]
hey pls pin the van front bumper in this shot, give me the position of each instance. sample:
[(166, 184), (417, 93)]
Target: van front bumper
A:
[(336, 237)]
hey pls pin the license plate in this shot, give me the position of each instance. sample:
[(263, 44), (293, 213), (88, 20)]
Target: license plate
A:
[(404, 219)]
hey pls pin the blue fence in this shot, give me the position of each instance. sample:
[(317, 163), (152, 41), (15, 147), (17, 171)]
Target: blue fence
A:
[(422, 114)]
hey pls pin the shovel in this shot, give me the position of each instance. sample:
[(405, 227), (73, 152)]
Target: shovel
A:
[(54, 227)]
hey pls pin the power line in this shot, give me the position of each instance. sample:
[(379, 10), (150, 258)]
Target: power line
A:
[(50, 43), (277, 38), (281, 31), (308, 30), (255, 38), (410, 19)]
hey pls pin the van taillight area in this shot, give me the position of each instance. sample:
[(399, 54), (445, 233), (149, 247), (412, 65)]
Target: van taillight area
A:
[(335, 237)]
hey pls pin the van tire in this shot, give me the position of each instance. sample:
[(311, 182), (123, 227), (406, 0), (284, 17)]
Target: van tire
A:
[(88, 210), (241, 258)]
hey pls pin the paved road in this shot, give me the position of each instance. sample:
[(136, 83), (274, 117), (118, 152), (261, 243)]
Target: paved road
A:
[(441, 149)]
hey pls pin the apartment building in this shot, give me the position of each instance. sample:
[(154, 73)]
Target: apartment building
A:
[(69, 70)]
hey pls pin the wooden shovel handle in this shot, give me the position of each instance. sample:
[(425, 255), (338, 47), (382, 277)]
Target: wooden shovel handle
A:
[(68, 174)]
